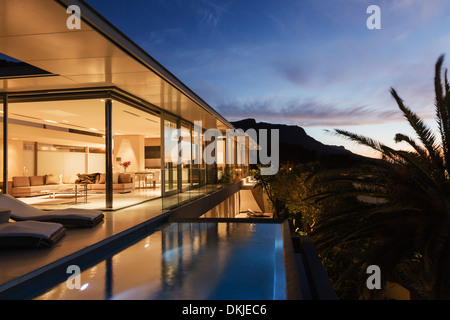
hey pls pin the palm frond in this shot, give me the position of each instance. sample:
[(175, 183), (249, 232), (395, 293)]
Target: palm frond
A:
[(366, 141), (442, 108), (424, 133), (424, 168), (399, 137), (411, 227)]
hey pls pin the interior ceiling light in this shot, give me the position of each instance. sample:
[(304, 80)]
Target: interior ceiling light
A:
[(59, 113), (151, 120), (51, 121), (133, 114)]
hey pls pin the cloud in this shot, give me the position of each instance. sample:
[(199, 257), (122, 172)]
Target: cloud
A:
[(210, 12), (294, 71), (418, 10), (308, 113), (164, 36)]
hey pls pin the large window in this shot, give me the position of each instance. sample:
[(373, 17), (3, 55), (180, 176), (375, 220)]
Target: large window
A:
[(197, 157), (57, 154), (56, 151), (186, 156), (171, 154), (136, 155)]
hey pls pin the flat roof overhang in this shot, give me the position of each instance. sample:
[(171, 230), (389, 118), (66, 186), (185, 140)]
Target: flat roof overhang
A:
[(96, 56)]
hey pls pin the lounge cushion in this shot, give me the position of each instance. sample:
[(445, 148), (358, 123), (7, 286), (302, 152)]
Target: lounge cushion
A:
[(20, 211), (102, 178), (36, 190), (30, 234), (21, 182), (36, 180), (4, 215), (51, 179), (124, 178)]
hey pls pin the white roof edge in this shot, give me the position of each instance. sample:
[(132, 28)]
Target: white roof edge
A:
[(112, 33)]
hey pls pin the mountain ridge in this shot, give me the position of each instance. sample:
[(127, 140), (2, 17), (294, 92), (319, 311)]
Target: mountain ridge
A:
[(295, 143)]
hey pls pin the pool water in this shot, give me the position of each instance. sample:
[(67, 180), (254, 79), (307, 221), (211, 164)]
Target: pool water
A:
[(195, 261)]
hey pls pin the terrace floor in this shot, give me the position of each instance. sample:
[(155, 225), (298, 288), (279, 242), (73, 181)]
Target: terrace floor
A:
[(20, 265)]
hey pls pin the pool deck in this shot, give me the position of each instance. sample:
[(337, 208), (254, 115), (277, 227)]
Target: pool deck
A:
[(22, 268), (18, 266)]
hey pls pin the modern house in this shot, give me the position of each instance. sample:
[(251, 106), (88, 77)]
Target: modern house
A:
[(85, 108), (90, 120)]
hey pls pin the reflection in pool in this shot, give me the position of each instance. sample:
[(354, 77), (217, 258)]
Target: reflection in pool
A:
[(214, 261)]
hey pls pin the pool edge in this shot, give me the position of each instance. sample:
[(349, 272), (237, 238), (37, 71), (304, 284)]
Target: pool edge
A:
[(293, 291)]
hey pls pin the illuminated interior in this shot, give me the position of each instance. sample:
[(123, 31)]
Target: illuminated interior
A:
[(57, 125)]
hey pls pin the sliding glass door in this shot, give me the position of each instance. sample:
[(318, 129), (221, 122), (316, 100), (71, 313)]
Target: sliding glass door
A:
[(197, 157), (171, 155), (186, 156)]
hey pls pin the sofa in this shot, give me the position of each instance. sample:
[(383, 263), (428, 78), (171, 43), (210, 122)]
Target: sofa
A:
[(37, 185), (122, 183)]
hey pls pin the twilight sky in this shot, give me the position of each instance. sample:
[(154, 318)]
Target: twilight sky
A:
[(312, 63)]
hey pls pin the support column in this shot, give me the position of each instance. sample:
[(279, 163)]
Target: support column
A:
[(109, 154)]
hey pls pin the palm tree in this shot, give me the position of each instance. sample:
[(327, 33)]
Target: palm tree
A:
[(405, 229)]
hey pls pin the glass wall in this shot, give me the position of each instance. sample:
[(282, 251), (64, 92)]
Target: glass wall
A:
[(57, 155), (136, 155), (186, 156), (192, 177), (212, 152), (240, 156), (171, 154), (197, 157), (246, 169), (220, 158), (203, 163), (231, 155), (56, 152)]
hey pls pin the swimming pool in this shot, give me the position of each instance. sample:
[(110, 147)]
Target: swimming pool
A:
[(186, 260)]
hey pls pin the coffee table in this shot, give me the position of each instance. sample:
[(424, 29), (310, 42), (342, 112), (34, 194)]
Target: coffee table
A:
[(76, 189)]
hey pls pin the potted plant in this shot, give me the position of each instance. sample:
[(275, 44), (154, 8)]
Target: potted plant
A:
[(125, 165)]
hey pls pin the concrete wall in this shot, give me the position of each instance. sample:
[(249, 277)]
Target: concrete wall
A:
[(129, 148)]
